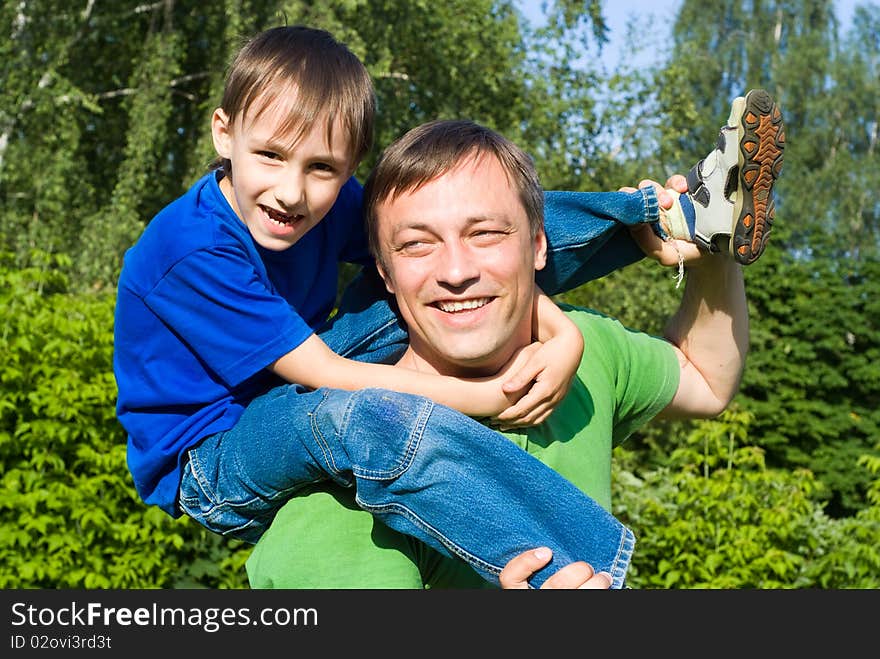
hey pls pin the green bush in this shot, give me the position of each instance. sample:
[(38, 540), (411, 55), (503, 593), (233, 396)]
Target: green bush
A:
[(69, 514), (718, 518)]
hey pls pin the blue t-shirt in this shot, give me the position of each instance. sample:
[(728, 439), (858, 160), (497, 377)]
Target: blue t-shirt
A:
[(202, 310)]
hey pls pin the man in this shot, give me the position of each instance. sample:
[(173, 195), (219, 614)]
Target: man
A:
[(456, 229)]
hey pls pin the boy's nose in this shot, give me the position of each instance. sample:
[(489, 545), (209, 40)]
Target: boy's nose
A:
[(291, 191)]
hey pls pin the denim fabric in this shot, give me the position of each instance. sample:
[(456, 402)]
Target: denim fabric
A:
[(587, 235), (423, 469)]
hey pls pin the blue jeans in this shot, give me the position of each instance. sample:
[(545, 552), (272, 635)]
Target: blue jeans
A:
[(423, 469)]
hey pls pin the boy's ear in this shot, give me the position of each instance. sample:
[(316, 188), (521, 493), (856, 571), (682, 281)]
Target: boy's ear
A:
[(221, 131)]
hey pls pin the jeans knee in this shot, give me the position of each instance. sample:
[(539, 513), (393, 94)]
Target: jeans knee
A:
[(380, 431)]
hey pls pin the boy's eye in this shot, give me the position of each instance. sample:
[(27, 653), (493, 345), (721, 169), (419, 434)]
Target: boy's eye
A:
[(323, 167), (271, 155)]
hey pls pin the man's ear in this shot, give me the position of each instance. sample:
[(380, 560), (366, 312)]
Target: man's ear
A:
[(540, 242), (221, 132), (389, 285)]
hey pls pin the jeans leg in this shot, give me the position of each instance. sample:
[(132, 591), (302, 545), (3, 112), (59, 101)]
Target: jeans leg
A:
[(462, 488), (587, 235), (235, 481), (423, 469)]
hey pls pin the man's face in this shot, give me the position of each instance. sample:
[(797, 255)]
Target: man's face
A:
[(280, 188), (458, 256)]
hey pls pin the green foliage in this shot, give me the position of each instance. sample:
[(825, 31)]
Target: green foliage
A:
[(104, 115), (69, 516), (716, 517), (811, 378)]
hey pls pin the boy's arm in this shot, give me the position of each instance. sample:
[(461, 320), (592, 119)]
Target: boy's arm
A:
[(550, 370), (313, 364)]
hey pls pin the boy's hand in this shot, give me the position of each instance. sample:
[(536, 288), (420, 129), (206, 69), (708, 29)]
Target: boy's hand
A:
[(537, 387), (542, 383)]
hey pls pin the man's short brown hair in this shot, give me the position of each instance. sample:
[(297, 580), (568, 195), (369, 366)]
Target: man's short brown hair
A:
[(431, 150)]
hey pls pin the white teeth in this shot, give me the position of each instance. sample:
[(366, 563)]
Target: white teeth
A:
[(462, 305)]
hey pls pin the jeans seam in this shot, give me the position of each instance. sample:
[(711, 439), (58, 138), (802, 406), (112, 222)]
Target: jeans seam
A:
[(622, 558), (195, 466), (458, 551), (368, 338), (651, 205), (319, 437)]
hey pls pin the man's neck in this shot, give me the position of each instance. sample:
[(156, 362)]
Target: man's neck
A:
[(414, 361)]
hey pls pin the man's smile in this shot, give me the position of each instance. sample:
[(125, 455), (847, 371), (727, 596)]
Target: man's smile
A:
[(458, 306)]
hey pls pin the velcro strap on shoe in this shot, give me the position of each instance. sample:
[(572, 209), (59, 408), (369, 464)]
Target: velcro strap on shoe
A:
[(699, 191), (708, 245)]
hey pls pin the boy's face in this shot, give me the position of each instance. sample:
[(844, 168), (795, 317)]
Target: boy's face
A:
[(280, 189), (459, 257)]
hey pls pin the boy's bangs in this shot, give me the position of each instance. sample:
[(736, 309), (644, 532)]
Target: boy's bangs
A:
[(302, 110)]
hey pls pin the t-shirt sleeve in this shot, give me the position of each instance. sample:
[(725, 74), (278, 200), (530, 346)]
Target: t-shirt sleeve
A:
[(217, 304), (639, 371), (647, 379)]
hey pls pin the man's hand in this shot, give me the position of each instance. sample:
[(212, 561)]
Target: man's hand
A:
[(665, 252), (578, 575)]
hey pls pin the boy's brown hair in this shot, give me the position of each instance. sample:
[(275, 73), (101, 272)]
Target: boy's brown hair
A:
[(431, 150), (323, 73)]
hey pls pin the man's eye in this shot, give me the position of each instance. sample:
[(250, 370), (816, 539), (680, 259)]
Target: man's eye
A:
[(488, 234), (414, 247)]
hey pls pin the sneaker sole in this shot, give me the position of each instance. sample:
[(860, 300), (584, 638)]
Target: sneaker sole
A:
[(761, 143)]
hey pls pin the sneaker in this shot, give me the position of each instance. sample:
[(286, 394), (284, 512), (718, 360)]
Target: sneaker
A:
[(729, 205)]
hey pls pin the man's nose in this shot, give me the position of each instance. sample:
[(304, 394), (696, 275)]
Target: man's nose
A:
[(457, 266)]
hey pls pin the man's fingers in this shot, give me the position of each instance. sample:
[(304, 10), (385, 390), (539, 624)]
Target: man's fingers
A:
[(578, 575), (599, 581), (665, 252), (516, 573), (677, 182)]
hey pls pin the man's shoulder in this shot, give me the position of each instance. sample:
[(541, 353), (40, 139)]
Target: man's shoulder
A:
[(590, 321), (609, 339)]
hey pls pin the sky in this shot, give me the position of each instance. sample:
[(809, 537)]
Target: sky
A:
[(617, 12)]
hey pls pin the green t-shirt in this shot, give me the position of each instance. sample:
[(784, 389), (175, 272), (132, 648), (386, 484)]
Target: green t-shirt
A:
[(323, 540)]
